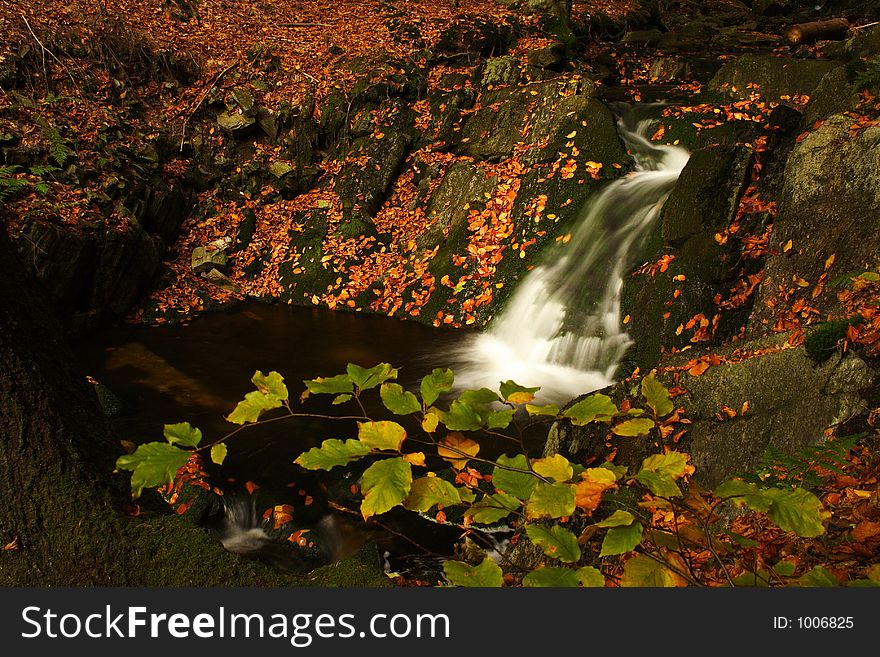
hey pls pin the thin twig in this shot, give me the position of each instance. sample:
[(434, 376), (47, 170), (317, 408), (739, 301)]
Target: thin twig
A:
[(202, 100), (46, 50)]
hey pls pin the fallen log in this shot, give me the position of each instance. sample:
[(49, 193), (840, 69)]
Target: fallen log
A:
[(834, 29)]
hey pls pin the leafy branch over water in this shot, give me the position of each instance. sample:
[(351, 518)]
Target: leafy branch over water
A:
[(656, 528)]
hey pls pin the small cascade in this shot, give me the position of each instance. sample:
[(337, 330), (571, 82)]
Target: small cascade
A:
[(561, 329)]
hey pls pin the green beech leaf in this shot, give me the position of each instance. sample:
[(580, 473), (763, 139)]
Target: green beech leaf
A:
[(271, 384), (784, 568), (385, 484), (182, 433), (761, 578), (500, 419), (659, 483), (547, 409), (427, 492), (493, 508), (556, 542), (556, 467), (743, 493), (152, 464), (436, 383), (253, 405), (332, 385), (517, 394), (595, 407), (619, 518), (657, 396), (518, 484), (366, 379), (673, 464), (399, 401), (551, 501), (618, 470), (486, 574), (383, 434), (641, 426), (331, 453), (817, 577), (620, 540), (218, 453), (462, 417), (552, 577), (798, 511), (644, 571), (341, 399), (590, 577)]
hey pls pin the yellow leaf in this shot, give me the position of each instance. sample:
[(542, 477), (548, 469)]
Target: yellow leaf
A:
[(429, 424), (830, 261), (455, 448), (571, 134), (555, 467), (416, 458)]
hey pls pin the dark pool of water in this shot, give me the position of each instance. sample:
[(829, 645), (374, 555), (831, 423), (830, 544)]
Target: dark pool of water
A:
[(197, 372)]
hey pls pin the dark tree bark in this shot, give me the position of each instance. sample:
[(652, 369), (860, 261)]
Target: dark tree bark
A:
[(59, 501)]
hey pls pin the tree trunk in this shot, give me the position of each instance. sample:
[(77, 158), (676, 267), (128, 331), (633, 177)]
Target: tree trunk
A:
[(834, 29), (61, 518)]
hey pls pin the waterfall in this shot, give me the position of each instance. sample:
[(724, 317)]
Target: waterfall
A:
[(561, 329)]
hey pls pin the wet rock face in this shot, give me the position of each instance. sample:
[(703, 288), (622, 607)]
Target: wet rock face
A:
[(777, 78), (91, 277), (702, 202), (830, 205), (792, 400)]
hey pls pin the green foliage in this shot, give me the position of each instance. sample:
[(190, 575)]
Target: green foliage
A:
[(776, 468), (428, 492), (656, 396), (385, 484), (383, 434), (644, 571), (556, 542), (869, 76), (332, 453), (797, 510), (435, 384), (399, 401), (59, 151), (822, 341), (597, 407), (640, 426), (486, 574), (9, 184), (152, 464), (547, 498), (12, 182)]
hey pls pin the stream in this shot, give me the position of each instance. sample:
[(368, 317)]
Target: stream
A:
[(561, 330)]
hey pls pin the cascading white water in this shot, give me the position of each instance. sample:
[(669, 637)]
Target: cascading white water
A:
[(562, 330)]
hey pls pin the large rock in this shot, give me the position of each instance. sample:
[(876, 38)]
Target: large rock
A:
[(364, 186), (791, 402), (774, 78), (661, 304), (830, 205), (552, 117), (91, 275)]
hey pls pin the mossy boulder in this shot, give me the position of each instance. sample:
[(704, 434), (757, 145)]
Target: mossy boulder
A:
[(660, 304), (791, 401), (829, 206), (363, 186), (777, 79)]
